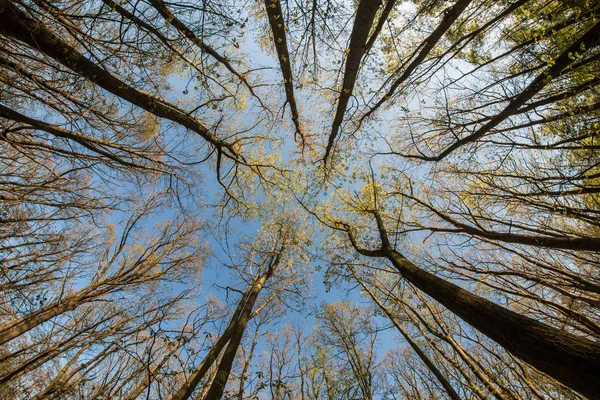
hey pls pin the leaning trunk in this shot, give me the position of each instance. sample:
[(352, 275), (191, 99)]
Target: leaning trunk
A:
[(572, 360), (426, 360), (215, 392)]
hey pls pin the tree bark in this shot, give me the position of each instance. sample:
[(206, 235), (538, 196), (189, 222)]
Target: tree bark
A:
[(215, 391), (365, 15), (450, 16), (277, 23), (16, 24), (573, 361), (22, 325)]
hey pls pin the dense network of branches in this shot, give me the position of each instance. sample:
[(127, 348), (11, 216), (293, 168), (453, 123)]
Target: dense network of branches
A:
[(321, 199)]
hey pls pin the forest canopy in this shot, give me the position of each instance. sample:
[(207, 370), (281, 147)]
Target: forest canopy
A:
[(322, 199)]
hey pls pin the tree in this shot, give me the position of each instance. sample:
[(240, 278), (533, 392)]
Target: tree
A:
[(439, 160), (346, 332), (276, 250), (536, 343)]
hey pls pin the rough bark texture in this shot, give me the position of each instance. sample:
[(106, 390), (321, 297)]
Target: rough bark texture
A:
[(275, 16), (573, 361), (16, 24), (365, 14)]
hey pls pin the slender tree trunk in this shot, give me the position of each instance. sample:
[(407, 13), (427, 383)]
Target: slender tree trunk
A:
[(150, 376), (22, 325), (428, 363), (469, 381), (383, 17), (61, 378), (278, 31), (238, 322), (423, 50), (188, 387), (447, 337), (244, 374), (171, 19)]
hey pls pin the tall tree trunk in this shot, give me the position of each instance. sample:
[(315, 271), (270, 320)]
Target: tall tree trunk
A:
[(236, 327), (571, 360), (188, 387), (446, 336), (365, 15), (428, 363), (278, 29), (215, 392), (59, 382), (247, 361)]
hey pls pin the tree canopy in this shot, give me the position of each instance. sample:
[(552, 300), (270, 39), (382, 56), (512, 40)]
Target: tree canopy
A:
[(299, 199)]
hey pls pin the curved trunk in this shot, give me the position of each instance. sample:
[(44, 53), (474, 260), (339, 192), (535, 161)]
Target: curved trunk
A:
[(188, 387)]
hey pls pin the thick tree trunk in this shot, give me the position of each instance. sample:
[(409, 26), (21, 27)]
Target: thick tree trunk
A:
[(215, 392), (16, 24), (572, 360)]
